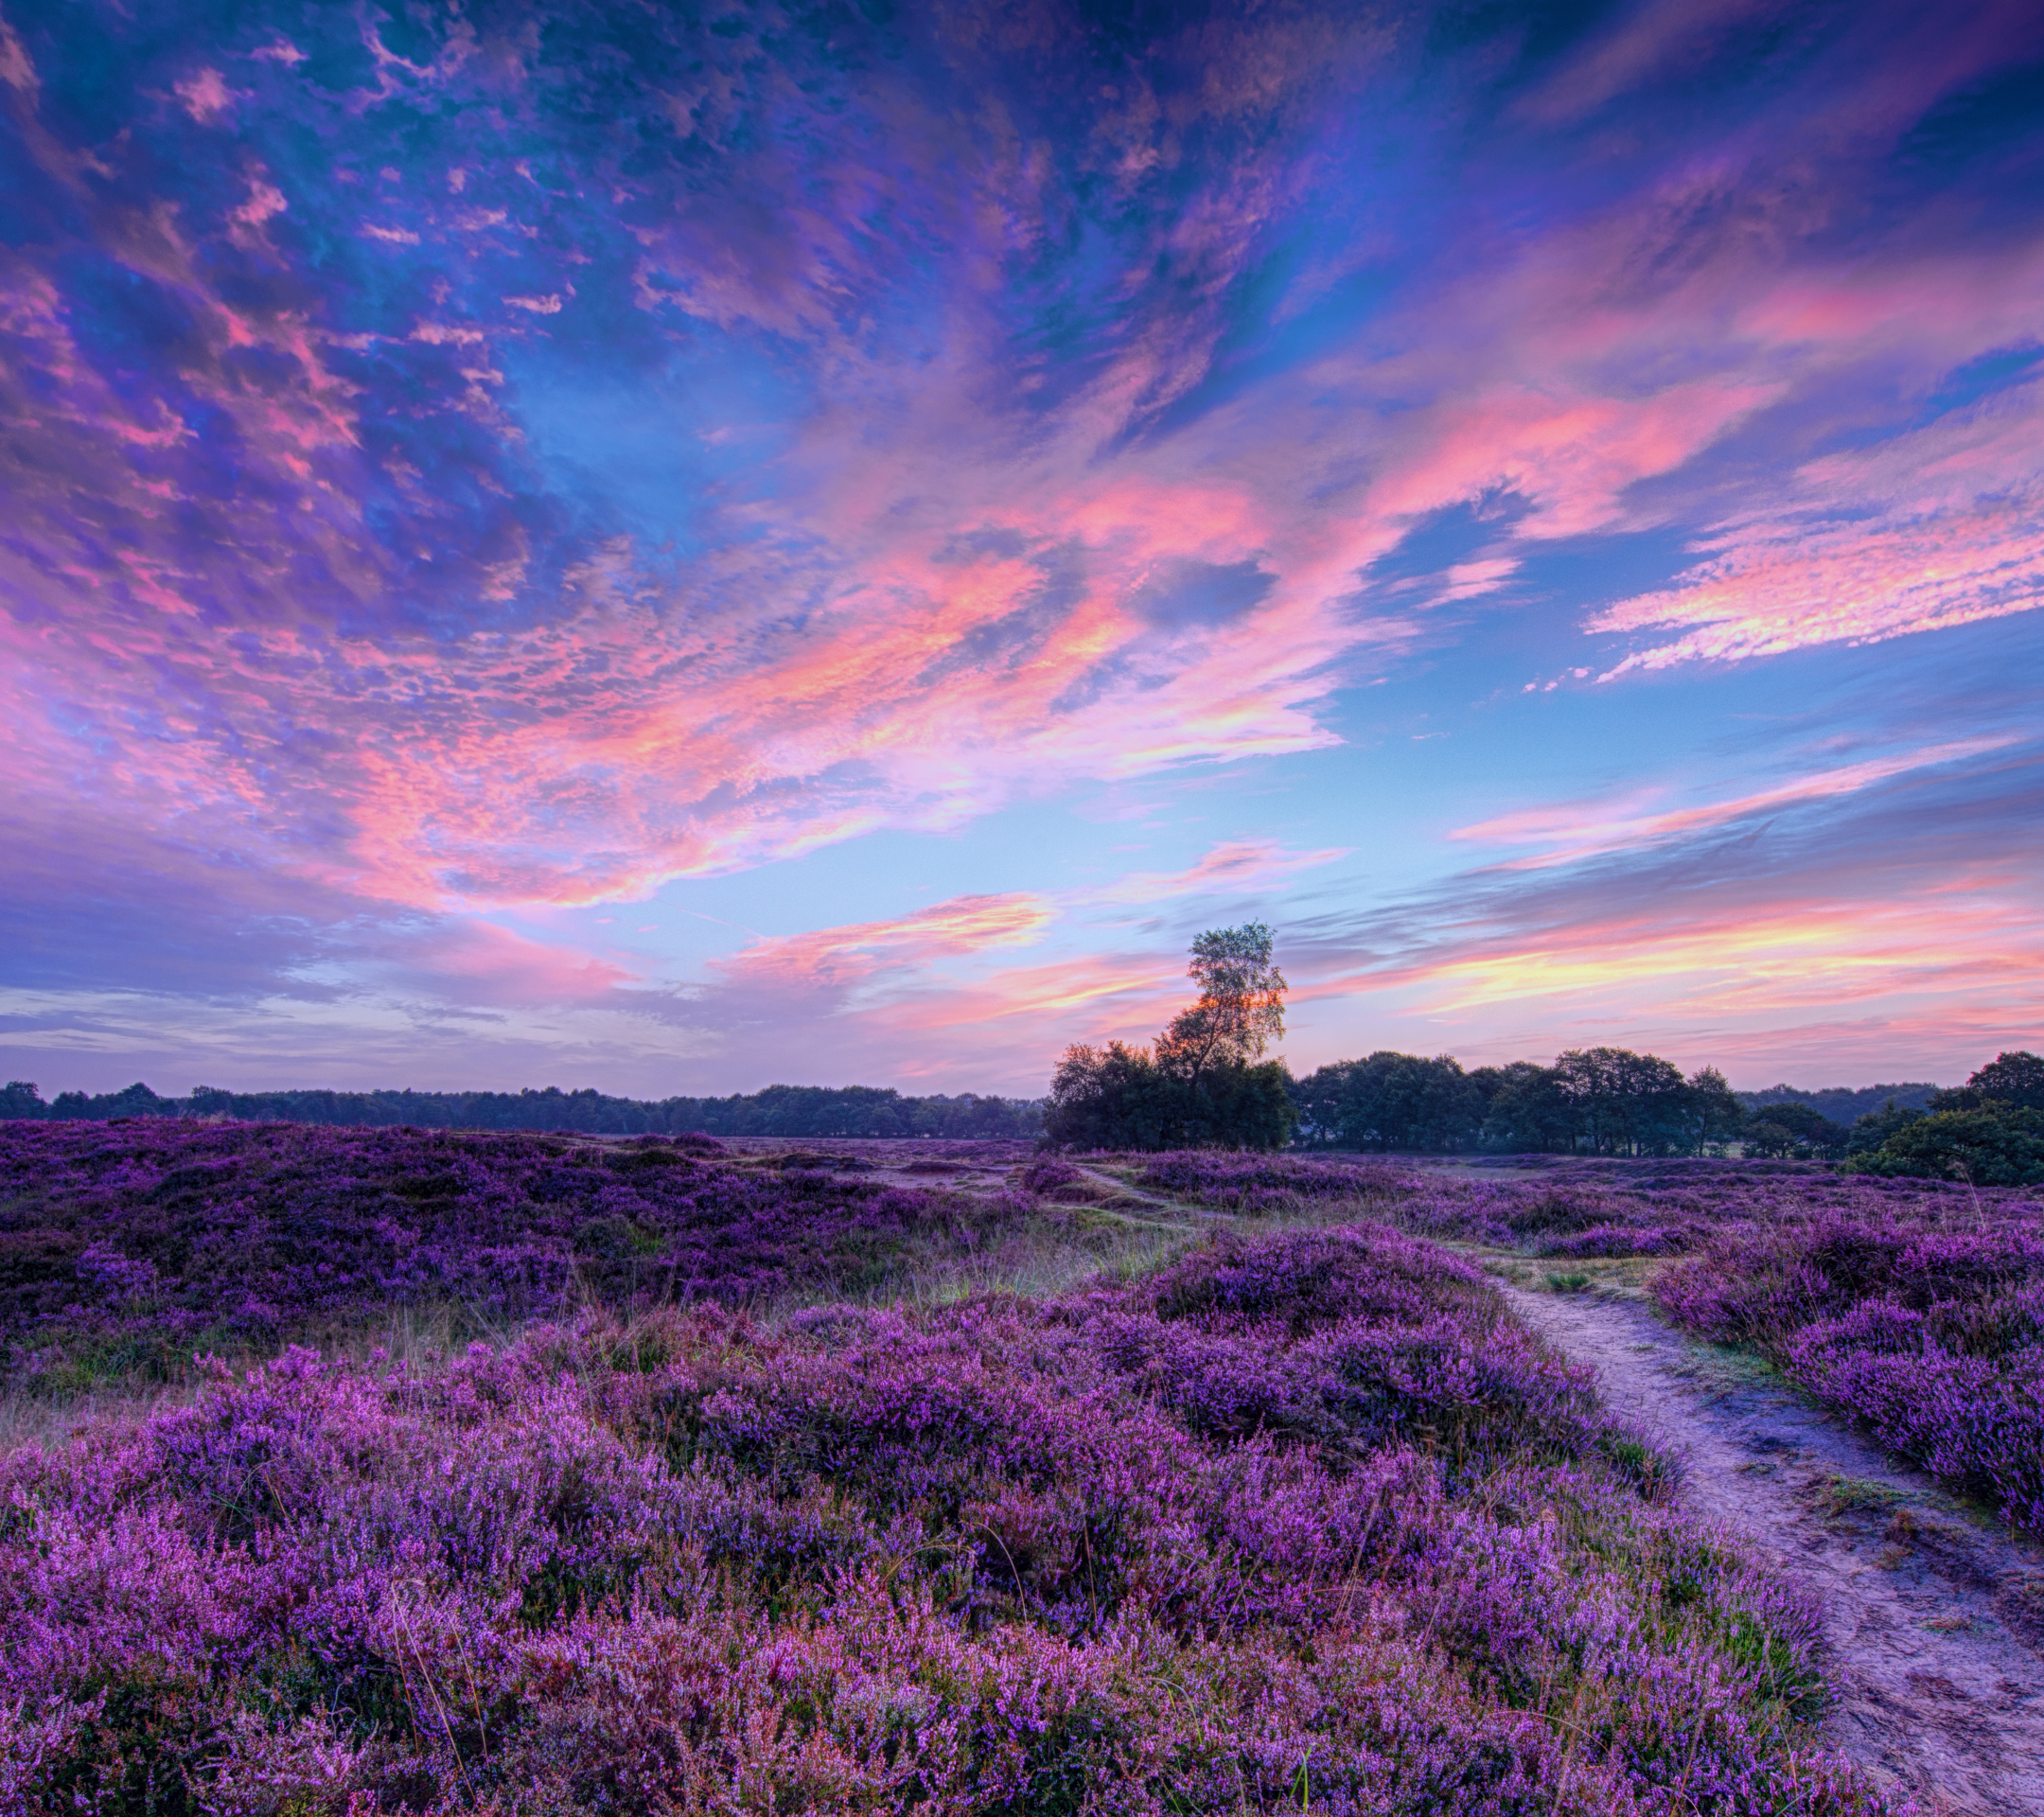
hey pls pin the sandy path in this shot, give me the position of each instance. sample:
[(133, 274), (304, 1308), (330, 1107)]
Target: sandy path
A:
[(1936, 1620), (1122, 1189)]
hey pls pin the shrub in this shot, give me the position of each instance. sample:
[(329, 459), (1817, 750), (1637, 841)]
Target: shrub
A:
[(1298, 1521), (1994, 1145)]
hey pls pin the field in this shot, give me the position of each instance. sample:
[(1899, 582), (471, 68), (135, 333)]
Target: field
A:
[(1914, 1306), (871, 1477), (127, 1246)]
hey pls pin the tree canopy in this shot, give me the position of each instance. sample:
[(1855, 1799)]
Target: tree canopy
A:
[(1598, 1101), (2013, 1079), (1206, 1084)]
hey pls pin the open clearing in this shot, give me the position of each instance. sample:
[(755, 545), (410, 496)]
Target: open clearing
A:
[(1935, 1618)]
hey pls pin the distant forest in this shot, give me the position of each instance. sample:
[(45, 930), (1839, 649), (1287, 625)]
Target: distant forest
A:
[(779, 1110), (1604, 1101), (1843, 1104)]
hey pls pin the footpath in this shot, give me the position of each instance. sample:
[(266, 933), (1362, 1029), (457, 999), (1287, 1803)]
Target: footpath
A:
[(1935, 1618)]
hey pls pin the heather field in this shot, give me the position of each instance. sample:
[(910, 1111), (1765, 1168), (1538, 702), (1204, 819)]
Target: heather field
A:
[(127, 1246), (1915, 1307), (1299, 1522), (878, 1475)]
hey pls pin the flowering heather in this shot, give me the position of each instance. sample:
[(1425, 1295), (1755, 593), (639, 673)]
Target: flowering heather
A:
[(1914, 1305), (1934, 1336), (1256, 1184), (1297, 1524), (127, 1242)]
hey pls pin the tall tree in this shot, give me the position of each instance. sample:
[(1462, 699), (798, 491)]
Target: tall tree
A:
[(1713, 1113), (1626, 1102), (2015, 1078), (1206, 1084), (1241, 1006)]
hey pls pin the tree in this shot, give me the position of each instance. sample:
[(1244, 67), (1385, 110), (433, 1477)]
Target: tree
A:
[(1206, 1083), (1241, 1006), (1783, 1130), (1871, 1131), (1525, 1110), (1113, 1096), (1713, 1112), (1626, 1102), (1999, 1144), (1392, 1101), (19, 1098), (2015, 1078)]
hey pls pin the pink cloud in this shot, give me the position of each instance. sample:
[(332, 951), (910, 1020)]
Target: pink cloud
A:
[(1570, 455), (204, 95), (837, 957), (16, 70), (475, 961), (1940, 527), (1233, 867), (1577, 830)]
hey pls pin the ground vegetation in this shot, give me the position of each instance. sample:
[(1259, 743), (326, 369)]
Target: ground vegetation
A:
[(1302, 1522)]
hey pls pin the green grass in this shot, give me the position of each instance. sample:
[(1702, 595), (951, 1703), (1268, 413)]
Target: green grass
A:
[(1842, 1496)]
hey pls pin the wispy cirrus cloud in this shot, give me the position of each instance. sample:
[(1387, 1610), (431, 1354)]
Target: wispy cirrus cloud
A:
[(1576, 830), (1234, 868), (835, 959)]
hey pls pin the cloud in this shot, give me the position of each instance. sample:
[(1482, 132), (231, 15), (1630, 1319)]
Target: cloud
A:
[(205, 94), (1233, 868), (423, 505), (1577, 830), (1884, 893), (1938, 528), (837, 959)]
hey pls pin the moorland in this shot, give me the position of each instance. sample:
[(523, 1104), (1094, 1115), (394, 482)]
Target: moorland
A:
[(406, 1470)]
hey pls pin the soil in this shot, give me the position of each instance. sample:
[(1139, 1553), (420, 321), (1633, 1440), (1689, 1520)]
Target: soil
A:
[(1934, 1617)]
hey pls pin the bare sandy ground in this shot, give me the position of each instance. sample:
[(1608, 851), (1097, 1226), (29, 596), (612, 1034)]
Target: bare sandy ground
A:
[(1935, 1618)]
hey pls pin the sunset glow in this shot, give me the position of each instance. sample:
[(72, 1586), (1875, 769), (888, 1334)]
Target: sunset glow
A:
[(672, 551)]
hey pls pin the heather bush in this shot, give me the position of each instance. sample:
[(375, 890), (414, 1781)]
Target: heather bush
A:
[(124, 1246), (1297, 1523), (1908, 1302), (1934, 1337), (1264, 1183)]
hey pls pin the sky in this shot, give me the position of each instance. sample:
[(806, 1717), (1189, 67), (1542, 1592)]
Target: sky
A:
[(674, 549)]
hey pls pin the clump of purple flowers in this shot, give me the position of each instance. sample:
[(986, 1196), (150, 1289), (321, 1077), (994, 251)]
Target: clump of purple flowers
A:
[(1299, 1523), (125, 1244), (1933, 1336), (1916, 1306)]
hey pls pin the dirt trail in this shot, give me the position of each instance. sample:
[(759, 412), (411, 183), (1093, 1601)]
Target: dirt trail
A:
[(1123, 1190), (1936, 1620)]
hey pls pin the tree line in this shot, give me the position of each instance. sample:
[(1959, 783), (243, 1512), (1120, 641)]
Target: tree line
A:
[(1592, 1101), (1987, 1132), (1205, 1082), (820, 1111)]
